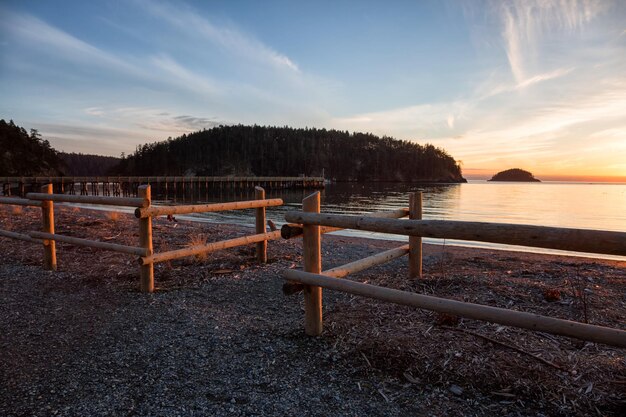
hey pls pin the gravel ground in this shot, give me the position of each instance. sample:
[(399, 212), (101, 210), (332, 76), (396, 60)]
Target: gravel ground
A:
[(218, 337)]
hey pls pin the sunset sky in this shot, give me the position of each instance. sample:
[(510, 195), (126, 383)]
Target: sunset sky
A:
[(539, 85)]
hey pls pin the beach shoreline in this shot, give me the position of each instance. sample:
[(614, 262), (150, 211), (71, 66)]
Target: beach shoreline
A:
[(218, 336)]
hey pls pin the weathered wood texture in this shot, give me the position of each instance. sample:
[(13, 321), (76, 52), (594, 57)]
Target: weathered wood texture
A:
[(577, 240), (209, 247), (261, 247), (352, 267), (47, 217), (289, 231), (87, 199), (19, 236), (131, 250), (415, 242), (370, 261), (311, 241), (146, 271), (609, 336), (19, 202), (206, 208)]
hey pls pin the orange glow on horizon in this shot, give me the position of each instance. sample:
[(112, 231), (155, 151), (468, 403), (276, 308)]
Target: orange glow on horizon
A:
[(485, 174)]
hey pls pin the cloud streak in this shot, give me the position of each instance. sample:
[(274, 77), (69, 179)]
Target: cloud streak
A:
[(526, 22), (52, 41), (230, 39)]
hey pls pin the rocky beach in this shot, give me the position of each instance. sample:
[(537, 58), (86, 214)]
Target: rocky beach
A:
[(218, 337)]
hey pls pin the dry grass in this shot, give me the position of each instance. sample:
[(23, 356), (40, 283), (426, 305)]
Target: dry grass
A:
[(198, 239), (113, 215)]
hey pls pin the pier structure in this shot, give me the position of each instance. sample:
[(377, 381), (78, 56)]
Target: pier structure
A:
[(119, 186)]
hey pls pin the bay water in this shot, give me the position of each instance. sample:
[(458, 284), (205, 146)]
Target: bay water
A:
[(600, 206)]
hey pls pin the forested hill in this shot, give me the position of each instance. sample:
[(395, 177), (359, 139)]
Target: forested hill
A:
[(26, 154), (85, 165), (283, 151)]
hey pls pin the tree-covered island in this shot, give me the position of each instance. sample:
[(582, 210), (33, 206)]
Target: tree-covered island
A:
[(284, 151), (514, 174)]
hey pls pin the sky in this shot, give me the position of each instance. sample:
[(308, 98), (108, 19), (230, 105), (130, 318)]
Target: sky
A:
[(533, 84)]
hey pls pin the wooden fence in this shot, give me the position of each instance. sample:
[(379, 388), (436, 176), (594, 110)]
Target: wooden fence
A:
[(313, 278), (144, 212)]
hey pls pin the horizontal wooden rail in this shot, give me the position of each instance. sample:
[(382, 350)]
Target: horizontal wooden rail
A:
[(362, 264), (20, 202), (131, 250), (209, 247), (18, 236), (536, 322), (577, 240), (206, 208), (289, 231), (90, 199), (352, 267)]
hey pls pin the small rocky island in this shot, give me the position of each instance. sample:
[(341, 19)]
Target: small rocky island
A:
[(514, 174)]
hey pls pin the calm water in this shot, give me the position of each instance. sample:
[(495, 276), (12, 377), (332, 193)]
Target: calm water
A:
[(579, 205)]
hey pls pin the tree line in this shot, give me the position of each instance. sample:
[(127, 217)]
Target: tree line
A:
[(24, 154), (284, 151), (242, 151)]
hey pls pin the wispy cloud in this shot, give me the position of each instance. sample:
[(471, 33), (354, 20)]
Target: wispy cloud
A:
[(184, 77), (526, 22), (52, 41), (489, 89), (152, 119), (229, 38)]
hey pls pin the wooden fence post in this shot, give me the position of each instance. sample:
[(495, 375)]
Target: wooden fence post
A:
[(312, 263), (261, 247), (146, 272), (415, 242), (49, 246)]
